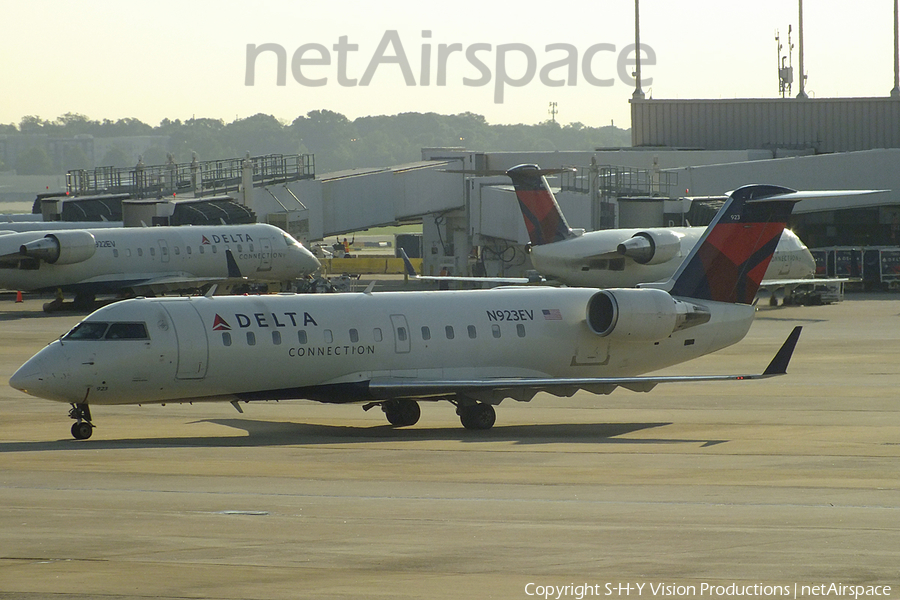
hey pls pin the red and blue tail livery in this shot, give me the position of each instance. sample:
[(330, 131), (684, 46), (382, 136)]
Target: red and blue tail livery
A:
[(544, 219), (735, 251)]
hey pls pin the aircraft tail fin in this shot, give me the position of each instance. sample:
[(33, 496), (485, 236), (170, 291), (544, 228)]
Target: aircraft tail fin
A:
[(543, 218), (729, 261)]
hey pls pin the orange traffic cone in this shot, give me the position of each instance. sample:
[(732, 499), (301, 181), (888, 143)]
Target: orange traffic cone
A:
[(18, 296)]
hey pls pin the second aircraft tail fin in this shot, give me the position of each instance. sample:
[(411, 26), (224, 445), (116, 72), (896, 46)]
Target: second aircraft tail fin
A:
[(543, 218)]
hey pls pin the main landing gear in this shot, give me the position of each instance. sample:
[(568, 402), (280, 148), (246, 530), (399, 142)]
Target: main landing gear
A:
[(401, 413), (475, 416), (82, 428)]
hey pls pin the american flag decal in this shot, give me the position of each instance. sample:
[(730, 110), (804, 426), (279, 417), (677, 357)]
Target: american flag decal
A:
[(551, 314)]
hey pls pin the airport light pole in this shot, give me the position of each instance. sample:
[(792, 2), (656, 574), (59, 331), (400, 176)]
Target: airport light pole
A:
[(638, 92)]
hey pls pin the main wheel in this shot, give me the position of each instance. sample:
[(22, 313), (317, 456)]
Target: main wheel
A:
[(82, 430), (477, 417), (402, 413)]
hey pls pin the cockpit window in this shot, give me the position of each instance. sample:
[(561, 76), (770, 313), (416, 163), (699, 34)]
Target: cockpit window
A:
[(127, 331), (97, 330), (87, 330)]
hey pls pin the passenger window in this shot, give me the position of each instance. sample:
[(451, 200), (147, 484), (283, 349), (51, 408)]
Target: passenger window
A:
[(202, 250), (401, 334), (87, 330), (251, 247), (240, 248), (127, 252), (251, 338), (449, 331), (115, 253), (426, 333), (226, 338), (377, 334), (354, 336), (472, 332), (140, 251), (329, 337), (164, 251), (177, 251), (301, 336), (127, 331), (520, 329), (188, 250), (214, 249), (152, 251), (276, 338), (495, 330)]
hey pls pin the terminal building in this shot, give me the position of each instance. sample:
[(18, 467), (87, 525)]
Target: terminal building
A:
[(682, 151)]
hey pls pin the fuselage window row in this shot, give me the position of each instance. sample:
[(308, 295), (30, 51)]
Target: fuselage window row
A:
[(353, 334), (175, 249)]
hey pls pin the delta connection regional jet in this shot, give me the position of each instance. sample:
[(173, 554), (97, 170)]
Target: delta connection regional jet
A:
[(148, 260), (627, 257), (393, 349)]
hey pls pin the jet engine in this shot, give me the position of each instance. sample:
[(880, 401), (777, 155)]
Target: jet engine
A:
[(651, 247), (61, 247), (641, 315)]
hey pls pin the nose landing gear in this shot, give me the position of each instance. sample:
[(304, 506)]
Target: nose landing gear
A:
[(82, 428)]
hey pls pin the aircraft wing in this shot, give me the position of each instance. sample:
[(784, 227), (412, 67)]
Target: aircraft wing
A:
[(411, 271), (792, 282), (523, 388)]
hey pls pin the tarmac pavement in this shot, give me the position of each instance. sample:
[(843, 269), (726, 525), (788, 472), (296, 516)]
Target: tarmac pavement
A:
[(747, 488)]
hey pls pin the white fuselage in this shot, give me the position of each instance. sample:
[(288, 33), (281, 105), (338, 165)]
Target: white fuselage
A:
[(590, 260), (321, 346), (127, 257)]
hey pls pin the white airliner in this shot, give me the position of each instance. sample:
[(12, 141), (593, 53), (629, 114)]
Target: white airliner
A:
[(391, 349), (627, 257), (145, 260), (624, 257)]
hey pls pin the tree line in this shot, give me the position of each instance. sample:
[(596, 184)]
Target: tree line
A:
[(336, 141)]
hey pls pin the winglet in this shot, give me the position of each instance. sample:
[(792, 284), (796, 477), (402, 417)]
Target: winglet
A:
[(779, 364), (410, 269), (233, 270)]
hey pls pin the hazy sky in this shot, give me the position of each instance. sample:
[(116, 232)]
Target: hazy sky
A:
[(178, 59)]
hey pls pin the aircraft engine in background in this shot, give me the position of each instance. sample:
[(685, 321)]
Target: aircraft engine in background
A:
[(61, 247), (651, 247)]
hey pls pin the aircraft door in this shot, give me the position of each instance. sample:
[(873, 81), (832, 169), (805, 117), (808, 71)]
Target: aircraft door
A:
[(401, 334), (193, 346), (265, 249)]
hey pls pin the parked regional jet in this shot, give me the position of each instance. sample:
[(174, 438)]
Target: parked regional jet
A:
[(622, 257), (391, 349), (626, 257), (146, 260)]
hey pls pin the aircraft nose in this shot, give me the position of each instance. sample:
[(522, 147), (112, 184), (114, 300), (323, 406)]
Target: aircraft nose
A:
[(25, 375), (46, 375), (308, 262)]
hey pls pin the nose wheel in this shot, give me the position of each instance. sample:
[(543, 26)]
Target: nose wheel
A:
[(82, 428)]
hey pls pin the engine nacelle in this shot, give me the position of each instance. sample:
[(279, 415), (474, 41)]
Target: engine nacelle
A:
[(61, 247), (651, 247), (641, 315)]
